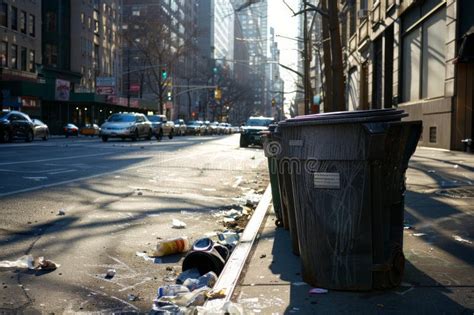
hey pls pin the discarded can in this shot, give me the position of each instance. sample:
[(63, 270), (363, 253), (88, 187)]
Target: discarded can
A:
[(169, 247)]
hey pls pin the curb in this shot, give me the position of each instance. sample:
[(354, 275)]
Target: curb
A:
[(230, 275)]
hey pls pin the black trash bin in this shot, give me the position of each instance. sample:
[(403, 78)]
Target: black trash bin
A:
[(349, 189), (271, 149), (288, 203)]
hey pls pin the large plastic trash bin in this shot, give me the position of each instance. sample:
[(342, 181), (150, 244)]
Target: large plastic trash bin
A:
[(349, 185), (269, 144), (285, 160)]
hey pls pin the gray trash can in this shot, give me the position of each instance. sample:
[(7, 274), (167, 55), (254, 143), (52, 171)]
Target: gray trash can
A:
[(285, 161), (270, 149), (349, 189)]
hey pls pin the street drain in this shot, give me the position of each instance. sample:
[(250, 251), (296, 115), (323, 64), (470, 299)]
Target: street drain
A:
[(458, 193)]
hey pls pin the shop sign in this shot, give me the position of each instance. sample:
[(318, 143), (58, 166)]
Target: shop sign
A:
[(135, 88), (29, 102), (63, 90), (105, 85)]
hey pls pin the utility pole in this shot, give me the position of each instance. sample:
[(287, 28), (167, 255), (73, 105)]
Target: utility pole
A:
[(128, 78), (307, 87)]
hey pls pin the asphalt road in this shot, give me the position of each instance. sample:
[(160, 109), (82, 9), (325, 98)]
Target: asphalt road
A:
[(119, 198)]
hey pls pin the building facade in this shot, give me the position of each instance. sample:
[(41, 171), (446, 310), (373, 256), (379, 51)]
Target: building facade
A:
[(403, 53), (275, 82), (216, 52), (159, 55), (254, 22), (20, 53), (81, 48)]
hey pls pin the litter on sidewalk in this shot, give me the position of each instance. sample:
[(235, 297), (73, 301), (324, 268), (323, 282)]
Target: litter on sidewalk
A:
[(318, 291), (177, 224), (30, 262), (169, 247)]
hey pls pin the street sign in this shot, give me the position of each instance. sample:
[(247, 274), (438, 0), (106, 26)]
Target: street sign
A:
[(135, 88), (105, 85), (105, 81), (105, 90)]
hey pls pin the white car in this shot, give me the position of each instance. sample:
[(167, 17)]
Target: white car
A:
[(161, 126), (126, 125)]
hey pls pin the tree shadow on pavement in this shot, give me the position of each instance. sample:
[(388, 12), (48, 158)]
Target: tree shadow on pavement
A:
[(417, 295)]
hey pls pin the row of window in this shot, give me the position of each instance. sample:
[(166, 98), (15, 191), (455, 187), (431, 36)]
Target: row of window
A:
[(19, 20), (9, 57)]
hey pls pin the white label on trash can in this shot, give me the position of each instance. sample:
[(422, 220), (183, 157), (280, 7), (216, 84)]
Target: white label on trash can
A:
[(296, 143), (327, 180)]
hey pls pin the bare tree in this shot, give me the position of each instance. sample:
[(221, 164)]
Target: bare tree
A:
[(151, 38)]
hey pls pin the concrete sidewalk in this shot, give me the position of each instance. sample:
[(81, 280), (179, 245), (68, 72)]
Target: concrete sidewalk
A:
[(439, 251)]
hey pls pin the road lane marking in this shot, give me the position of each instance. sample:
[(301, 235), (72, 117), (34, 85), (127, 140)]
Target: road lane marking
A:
[(65, 182), (58, 159), (62, 172)]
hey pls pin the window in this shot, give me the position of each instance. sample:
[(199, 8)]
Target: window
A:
[(31, 64), (96, 22), (51, 21), (23, 58), (23, 22), (3, 14), (31, 25), (14, 25), (51, 55), (423, 69), (3, 54), (352, 19), (14, 57), (433, 135)]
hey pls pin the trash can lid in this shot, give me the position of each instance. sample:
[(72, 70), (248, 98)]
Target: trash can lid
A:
[(345, 117)]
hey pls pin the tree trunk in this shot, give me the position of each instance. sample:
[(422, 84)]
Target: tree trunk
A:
[(336, 49), (328, 82)]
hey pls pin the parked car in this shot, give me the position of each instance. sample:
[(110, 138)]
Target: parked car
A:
[(228, 128), (225, 129), (214, 128), (206, 128), (193, 127), (71, 130), (251, 132), (180, 127), (14, 124), (161, 126), (40, 130), (234, 129), (90, 130), (126, 125)]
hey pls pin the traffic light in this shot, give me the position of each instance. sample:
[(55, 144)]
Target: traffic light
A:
[(217, 93), (164, 74), (215, 70), (273, 102), (169, 96)]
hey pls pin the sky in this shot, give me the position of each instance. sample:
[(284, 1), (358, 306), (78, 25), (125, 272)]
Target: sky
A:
[(285, 24)]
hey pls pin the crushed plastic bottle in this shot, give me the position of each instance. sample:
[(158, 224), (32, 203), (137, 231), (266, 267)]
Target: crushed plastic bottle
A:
[(196, 298), (172, 290), (206, 280), (169, 247)]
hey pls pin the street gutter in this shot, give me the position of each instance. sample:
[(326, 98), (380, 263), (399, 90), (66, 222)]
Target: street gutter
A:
[(230, 275)]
